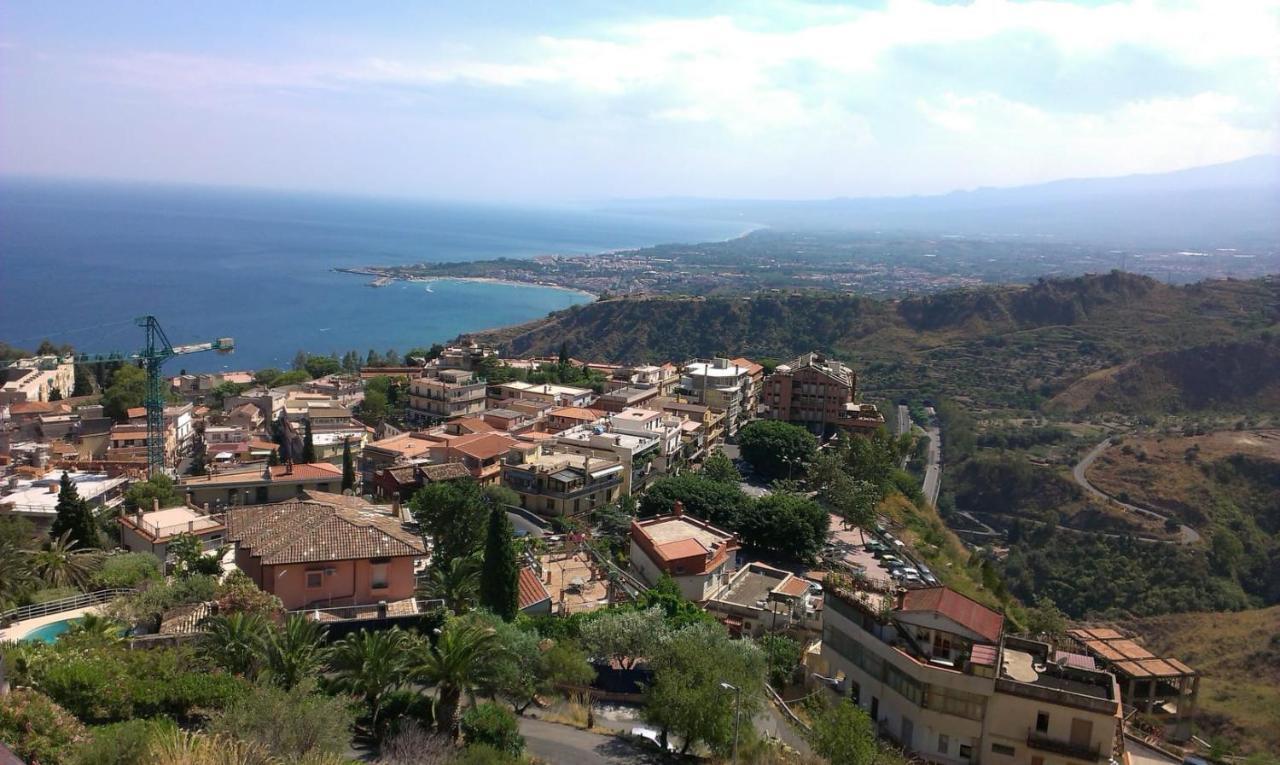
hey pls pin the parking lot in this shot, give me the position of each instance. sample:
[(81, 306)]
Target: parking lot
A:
[(888, 562)]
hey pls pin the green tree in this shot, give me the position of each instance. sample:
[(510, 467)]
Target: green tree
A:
[(348, 467), (300, 361), (189, 558), (456, 581), (782, 655), (84, 381), (308, 444), (235, 642), (453, 514), (16, 577), (144, 495), (371, 666), (128, 389), (1045, 618), (625, 636), (322, 366), (452, 664), (688, 697), (74, 519), (843, 733), (709, 500), (37, 729), (776, 449), (499, 580), (60, 562), (718, 467), (294, 652), (785, 523)]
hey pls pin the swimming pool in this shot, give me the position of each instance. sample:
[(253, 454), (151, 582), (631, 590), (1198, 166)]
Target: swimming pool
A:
[(48, 633)]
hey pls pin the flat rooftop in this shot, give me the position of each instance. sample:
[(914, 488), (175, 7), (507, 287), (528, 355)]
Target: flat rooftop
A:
[(751, 588), (1024, 668), (677, 529)]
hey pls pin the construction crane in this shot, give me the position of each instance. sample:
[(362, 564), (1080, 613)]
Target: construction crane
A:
[(154, 354)]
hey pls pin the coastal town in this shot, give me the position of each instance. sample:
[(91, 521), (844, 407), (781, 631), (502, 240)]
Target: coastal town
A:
[(628, 497)]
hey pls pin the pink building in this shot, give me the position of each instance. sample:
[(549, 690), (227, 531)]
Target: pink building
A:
[(325, 552)]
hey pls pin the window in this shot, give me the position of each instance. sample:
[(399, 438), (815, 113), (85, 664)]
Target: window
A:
[(966, 752), (1042, 722), (1037, 761), (1007, 751), (315, 580), (378, 573), (944, 743)]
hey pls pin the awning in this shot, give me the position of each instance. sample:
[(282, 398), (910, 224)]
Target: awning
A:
[(606, 471)]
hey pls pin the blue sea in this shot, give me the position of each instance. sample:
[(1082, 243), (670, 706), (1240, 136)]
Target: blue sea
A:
[(78, 261)]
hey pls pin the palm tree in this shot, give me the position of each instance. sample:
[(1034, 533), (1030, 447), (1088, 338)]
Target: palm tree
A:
[(456, 582), (235, 642), (61, 562), (372, 665), (94, 629), (15, 574), (453, 665), (295, 651)]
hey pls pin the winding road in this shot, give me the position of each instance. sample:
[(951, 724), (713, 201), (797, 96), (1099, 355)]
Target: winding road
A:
[(1186, 534)]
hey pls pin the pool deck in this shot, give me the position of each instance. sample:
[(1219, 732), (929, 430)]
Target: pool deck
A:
[(19, 630)]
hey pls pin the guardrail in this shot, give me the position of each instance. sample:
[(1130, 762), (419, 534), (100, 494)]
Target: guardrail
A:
[(83, 600)]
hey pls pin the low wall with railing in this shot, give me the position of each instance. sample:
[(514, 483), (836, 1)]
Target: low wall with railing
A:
[(62, 605)]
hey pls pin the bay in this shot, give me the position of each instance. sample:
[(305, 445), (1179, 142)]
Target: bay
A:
[(80, 260)]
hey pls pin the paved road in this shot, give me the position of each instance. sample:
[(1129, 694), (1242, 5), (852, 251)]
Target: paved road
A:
[(566, 745), (1186, 534), (933, 468), (904, 419)]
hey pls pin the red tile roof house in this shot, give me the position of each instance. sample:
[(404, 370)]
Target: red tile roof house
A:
[(698, 556), (316, 554), (534, 598)]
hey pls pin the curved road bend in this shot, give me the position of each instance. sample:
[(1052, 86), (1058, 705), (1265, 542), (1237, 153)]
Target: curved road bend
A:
[(1186, 534), (566, 745)]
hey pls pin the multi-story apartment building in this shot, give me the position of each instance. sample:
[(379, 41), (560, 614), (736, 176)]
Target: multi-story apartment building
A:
[(720, 384), (448, 393), (539, 393), (555, 483), (819, 394), (274, 483), (37, 379), (635, 451), (937, 675), (755, 384)]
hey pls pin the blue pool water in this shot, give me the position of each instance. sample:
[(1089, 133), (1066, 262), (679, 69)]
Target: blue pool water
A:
[(49, 632)]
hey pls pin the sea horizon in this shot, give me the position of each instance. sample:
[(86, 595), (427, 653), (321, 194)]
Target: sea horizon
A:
[(79, 259)]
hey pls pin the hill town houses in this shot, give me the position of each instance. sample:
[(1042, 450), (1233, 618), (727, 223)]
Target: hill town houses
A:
[(939, 673)]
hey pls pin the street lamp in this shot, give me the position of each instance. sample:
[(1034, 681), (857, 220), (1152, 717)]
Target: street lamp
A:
[(737, 709)]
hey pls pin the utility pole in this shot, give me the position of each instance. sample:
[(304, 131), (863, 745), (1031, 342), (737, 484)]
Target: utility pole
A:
[(737, 711)]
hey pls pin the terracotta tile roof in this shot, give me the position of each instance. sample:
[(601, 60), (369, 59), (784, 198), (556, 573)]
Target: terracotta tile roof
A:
[(752, 367), (681, 548), (483, 446), (447, 472), (473, 425), (315, 532), (795, 587), (341, 500), (945, 601), (532, 591), (31, 407), (135, 412)]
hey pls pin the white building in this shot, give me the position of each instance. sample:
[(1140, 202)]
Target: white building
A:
[(36, 379)]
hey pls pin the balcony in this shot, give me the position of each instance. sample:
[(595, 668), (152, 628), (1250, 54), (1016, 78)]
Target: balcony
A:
[(1046, 743)]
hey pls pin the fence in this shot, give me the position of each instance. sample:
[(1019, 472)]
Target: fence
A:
[(83, 600)]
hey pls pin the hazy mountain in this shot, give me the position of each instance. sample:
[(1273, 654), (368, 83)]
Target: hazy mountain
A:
[(1231, 205)]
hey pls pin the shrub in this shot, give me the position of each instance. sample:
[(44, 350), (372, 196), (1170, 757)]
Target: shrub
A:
[(128, 570), (51, 594), (288, 723), (483, 754), (239, 595), (123, 743), (495, 726), (37, 729)]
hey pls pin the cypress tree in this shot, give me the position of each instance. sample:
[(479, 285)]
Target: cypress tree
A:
[(74, 516), (499, 581), (308, 446), (348, 469)]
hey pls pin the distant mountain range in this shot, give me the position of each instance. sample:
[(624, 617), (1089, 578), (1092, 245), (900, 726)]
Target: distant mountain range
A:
[(1235, 205)]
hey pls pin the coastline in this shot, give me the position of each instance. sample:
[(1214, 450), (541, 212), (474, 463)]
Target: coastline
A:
[(495, 280)]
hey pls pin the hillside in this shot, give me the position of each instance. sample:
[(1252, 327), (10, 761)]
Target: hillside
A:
[(1235, 376), (999, 346), (1238, 655)]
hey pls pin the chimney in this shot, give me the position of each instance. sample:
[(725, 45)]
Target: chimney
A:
[(155, 504), (678, 509), (53, 488), (395, 504)]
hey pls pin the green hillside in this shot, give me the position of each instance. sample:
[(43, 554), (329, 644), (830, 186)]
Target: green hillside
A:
[(1010, 346)]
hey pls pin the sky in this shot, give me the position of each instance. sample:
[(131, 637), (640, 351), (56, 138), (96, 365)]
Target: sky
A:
[(574, 100)]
